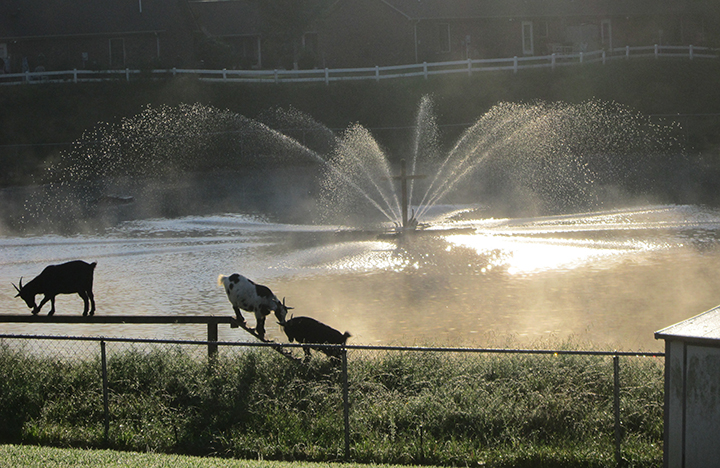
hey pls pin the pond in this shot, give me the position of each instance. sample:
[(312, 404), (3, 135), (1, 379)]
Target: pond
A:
[(607, 279)]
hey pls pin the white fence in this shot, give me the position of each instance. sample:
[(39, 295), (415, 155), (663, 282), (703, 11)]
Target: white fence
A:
[(327, 75)]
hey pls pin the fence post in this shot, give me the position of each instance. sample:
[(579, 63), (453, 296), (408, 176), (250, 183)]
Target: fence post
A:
[(212, 337), (552, 61), (515, 64), (656, 51), (616, 406), (603, 57), (377, 73), (327, 76), (627, 52), (106, 409), (74, 75), (224, 74), (691, 52), (581, 57), (276, 75), (346, 404), (425, 70), (469, 67)]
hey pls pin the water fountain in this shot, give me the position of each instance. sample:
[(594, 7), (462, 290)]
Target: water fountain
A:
[(552, 157)]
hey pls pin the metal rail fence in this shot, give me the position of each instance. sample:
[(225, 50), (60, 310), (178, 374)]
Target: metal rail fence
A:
[(377, 73), (103, 343)]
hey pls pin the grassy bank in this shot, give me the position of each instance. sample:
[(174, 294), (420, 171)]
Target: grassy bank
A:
[(40, 121), (405, 407)]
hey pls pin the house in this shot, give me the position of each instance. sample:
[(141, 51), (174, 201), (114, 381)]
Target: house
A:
[(228, 33), (234, 34), (392, 32), (92, 34), (258, 33)]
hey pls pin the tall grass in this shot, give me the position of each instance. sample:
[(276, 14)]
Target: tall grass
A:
[(405, 407)]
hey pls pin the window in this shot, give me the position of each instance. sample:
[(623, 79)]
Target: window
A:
[(527, 38), (444, 37), (117, 53), (606, 33)]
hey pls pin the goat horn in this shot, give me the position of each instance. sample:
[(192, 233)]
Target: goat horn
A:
[(16, 288), (288, 308)]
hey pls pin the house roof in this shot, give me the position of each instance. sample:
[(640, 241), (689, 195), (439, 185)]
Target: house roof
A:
[(475, 9), (702, 329), (226, 17), (20, 19)]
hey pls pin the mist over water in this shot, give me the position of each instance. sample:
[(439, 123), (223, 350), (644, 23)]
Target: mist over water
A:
[(542, 224)]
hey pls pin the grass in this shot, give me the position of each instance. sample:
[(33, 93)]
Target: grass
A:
[(27, 456), (405, 407)]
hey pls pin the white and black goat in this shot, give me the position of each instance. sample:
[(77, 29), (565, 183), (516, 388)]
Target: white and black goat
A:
[(67, 278), (307, 330), (256, 298)]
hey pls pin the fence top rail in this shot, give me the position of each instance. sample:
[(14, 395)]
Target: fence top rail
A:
[(366, 73), (553, 352), (135, 319)]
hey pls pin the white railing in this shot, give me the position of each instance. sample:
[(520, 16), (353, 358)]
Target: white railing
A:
[(425, 69)]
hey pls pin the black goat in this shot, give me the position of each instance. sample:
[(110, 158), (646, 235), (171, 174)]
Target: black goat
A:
[(308, 330), (67, 278)]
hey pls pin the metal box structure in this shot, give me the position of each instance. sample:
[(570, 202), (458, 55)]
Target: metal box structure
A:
[(692, 391)]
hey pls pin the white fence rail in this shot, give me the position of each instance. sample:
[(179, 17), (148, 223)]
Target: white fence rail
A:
[(327, 75)]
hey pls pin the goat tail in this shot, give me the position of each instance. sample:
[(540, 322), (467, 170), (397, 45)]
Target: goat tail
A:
[(221, 280)]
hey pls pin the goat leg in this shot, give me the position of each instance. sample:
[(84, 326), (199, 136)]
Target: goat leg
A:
[(36, 310), (86, 304), (239, 316), (92, 302), (260, 326)]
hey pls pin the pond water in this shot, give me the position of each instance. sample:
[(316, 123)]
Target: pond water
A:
[(608, 279)]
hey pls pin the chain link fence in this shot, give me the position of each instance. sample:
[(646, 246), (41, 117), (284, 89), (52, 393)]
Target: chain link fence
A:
[(376, 404)]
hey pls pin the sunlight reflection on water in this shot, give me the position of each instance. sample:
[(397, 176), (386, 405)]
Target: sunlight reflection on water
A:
[(526, 255)]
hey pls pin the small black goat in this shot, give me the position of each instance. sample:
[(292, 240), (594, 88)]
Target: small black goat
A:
[(67, 278), (308, 330)]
